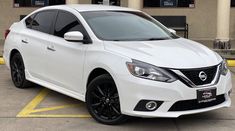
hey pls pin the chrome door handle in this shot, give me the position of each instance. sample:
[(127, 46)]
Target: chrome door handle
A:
[(50, 48), (24, 41)]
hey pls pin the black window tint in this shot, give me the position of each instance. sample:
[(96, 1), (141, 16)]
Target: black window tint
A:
[(37, 3), (29, 20), (56, 2), (185, 3), (151, 3), (232, 3), (169, 3), (66, 22), (43, 21)]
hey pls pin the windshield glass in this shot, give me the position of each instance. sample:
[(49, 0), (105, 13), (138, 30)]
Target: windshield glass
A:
[(125, 26)]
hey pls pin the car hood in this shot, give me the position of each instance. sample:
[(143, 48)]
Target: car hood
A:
[(175, 53)]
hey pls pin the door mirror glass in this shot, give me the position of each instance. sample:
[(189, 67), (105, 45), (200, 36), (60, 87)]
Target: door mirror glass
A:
[(172, 31), (74, 36)]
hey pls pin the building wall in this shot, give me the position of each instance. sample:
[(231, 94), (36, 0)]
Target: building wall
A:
[(201, 19), (85, 1), (8, 15), (232, 23)]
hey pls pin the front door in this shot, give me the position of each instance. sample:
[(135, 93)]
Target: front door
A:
[(65, 59)]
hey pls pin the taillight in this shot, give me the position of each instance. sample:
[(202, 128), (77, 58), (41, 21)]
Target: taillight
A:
[(6, 33)]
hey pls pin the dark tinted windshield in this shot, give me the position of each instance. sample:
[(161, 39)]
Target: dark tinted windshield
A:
[(124, 26)]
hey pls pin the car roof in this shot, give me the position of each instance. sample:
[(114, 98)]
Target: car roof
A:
[(89, 7)]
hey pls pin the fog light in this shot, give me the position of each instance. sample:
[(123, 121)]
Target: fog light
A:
[(152, 105), (148, 105)]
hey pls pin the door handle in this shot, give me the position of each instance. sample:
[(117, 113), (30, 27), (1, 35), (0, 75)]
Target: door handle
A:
[(51, 48), (24, 41)]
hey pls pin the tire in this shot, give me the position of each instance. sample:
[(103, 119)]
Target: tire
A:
[(102, 101), (18, 72)]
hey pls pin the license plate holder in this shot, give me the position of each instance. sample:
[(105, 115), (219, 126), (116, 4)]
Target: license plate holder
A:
[(206, 95)]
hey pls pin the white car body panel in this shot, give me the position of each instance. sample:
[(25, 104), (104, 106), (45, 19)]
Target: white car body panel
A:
[(67, 69), (159, 53)]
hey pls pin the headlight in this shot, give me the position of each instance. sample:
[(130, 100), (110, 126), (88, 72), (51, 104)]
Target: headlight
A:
[(147, 71), (224, 68)]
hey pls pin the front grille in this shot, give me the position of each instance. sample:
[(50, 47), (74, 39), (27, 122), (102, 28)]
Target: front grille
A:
[(193, 75), (193, 104)]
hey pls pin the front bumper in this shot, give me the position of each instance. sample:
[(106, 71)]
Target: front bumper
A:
[(132, 90)]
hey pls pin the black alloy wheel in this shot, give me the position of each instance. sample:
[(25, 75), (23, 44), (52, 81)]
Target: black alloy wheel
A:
[(17, 71), (103, 101)]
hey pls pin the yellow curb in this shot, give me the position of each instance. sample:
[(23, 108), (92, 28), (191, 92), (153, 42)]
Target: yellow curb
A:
[(1, 61), (231, 63)]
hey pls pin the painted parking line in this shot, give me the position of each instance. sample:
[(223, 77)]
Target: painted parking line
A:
[(1, 61), (55, 108), (57, 116), (29, 109)]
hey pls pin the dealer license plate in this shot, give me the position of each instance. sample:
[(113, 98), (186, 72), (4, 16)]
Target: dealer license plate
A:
[(206, 95)]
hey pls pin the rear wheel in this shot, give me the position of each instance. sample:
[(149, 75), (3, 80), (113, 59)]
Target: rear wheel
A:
[(17, 72), (102, 101)]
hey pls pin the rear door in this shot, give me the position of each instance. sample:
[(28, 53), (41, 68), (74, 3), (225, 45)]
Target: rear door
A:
[(65, 59), (34, 42)]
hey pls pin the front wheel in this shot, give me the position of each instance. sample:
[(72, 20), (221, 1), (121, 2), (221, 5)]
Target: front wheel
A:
[(102, 101)]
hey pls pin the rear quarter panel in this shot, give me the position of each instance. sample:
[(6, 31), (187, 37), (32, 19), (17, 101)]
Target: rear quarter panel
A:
[(12, 42)]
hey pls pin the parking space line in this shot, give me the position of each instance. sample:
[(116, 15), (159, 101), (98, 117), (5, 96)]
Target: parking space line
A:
[(29, 109), (33, 104), (1, 61), (57, 116), (55, 108)]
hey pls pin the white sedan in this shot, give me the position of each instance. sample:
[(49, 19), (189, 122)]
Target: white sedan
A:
[(120, 61)]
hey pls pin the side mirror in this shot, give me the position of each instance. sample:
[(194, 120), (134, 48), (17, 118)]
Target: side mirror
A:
[(172, 31), (74, 36)]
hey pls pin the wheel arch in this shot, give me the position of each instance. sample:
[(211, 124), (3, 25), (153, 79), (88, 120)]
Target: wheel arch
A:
[(13, 51), (95, 73)]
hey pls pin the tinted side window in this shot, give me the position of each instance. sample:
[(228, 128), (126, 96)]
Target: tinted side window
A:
[(43, 21), (66, 22), (29, 20)]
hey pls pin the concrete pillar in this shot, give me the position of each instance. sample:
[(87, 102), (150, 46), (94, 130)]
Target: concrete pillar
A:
[(223, 19), (135, 4), (72, 1)]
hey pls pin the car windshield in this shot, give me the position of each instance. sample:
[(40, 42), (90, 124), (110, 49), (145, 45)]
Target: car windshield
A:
[(125, 26)]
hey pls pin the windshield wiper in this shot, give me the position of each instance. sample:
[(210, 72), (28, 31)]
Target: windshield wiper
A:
[(161, 38), (145, 39)]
